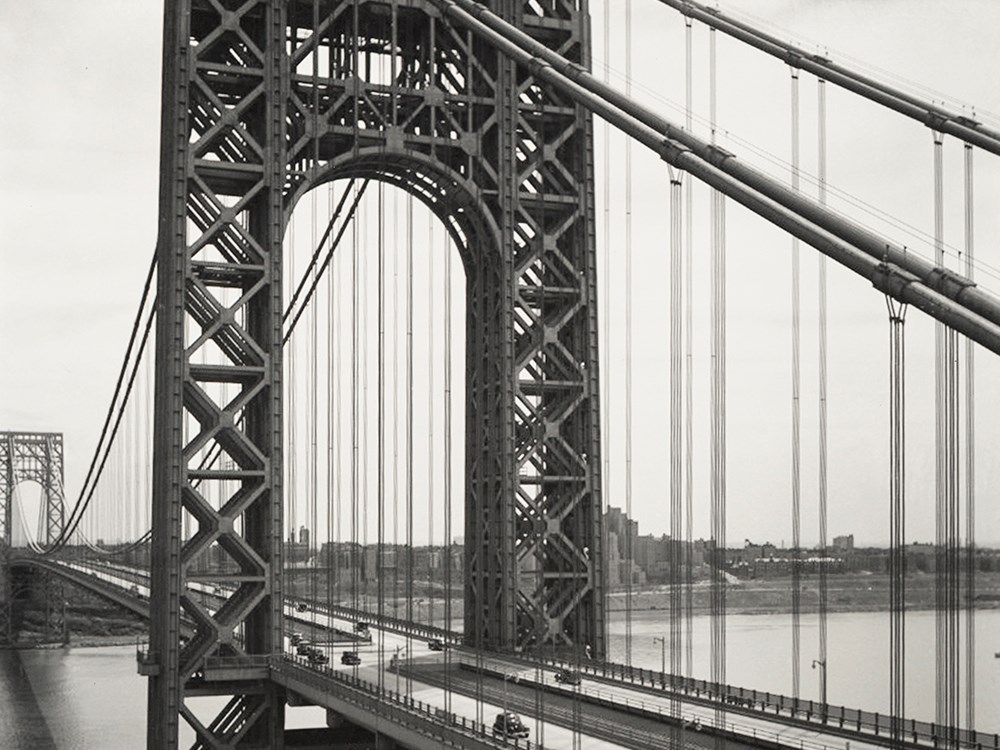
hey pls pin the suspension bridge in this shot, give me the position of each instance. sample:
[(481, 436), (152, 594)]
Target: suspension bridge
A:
[(378, 481)]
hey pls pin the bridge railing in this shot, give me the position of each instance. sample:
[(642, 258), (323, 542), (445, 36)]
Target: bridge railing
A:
[(728, 727), (870, 722), (455, 730), (852, 719)]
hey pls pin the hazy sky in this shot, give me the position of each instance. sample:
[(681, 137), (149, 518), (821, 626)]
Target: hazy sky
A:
[(79, 134)]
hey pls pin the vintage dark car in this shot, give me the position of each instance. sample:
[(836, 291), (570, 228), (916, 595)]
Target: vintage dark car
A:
[(509, 726), (435, 644), (567, 677), (316, 656), (350, 658)]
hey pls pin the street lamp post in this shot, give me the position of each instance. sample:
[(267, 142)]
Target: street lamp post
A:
[(663, 660), (396, 661), (822, 683), (507, 676)]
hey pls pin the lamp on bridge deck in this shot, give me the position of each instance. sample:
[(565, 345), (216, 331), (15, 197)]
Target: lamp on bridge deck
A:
[(663, 660), (822, 683)]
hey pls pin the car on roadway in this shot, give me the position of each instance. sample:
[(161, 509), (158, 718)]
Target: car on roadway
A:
[(316, 656), (509, 726), (301, 607), (435, 644), (350, 658), (302, 648), (567, 677), (295, 638), (361, 627)]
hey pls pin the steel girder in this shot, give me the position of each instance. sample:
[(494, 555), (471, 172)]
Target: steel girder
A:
[(30, 457), (264, 100)]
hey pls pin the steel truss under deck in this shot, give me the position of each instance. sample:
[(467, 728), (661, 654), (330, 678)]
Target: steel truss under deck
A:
[(264, 100)]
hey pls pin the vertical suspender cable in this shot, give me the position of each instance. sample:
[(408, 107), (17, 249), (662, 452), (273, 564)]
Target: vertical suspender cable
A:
[(940, 712), (447, 464), (381, 426), (897, 518), (394, 73), (313, 414), (355, 406), (355, 557), (676, 422), (606, 283), (946, 575), (312, 419), (430, 417), (796, 411), (332, 382), (409, 431), (718, 426), (970, 468), (821, 297), (291, 493), (629, 542), (395, 402), (126, 496), (338, 486), (689, 371), (364, 428)]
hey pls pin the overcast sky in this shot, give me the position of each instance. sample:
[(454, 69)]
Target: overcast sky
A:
[(79, 134)]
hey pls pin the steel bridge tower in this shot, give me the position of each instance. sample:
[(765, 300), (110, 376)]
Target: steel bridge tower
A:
[(31, 457), (264, 100)]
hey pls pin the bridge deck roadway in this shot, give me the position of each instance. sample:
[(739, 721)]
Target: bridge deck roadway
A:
[(630, 700)]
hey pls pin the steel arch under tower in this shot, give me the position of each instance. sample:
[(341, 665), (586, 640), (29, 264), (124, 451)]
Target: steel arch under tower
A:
[(264, 100)]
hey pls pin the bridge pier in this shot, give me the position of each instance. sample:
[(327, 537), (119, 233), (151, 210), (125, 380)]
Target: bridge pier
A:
[(344, 730), (32, 600)]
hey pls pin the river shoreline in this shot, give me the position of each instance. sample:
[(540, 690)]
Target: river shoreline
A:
[(104, 626)]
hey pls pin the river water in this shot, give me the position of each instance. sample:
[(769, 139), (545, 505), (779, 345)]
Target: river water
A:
[(92, 697)]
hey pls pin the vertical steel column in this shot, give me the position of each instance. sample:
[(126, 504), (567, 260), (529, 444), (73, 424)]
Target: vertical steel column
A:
[(7, 483), (218, 325), (52, 482), (544, 204)]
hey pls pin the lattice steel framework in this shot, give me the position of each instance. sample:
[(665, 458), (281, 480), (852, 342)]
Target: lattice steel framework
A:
[(30, 457), (264, 100)]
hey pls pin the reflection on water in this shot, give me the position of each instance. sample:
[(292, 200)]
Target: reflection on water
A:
[(758, 650), (72, 698)]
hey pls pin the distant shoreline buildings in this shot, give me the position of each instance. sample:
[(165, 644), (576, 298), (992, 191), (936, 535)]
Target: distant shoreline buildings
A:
[(651, 557), (650, 562)]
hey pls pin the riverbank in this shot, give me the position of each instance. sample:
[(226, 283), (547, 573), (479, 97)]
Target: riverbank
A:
[(845, 593)]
